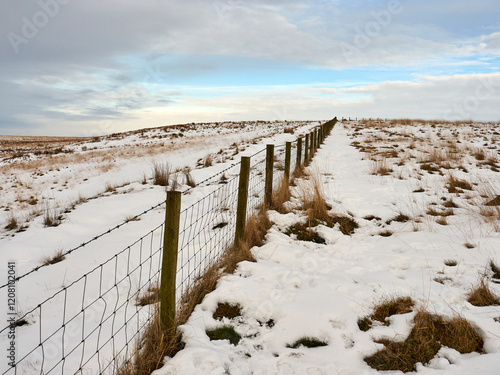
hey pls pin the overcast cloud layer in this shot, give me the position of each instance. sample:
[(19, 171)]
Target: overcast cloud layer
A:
[(71, 67)]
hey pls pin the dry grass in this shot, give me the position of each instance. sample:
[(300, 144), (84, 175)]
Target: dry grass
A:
[(208, 161), (281, 195), (12, 222), (189, 178), (495, 269), (313, 202), (161, 173), (392, 306), (381, 168), (456, 185), (52, 217), (53, 259), (152, 295), (227, 310), (481, 295), (429, 333)]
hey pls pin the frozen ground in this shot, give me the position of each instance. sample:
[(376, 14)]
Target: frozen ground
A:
[(373, 172)]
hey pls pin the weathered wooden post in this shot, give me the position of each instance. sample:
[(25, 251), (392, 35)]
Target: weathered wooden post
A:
[(169, 261), (306, 149), (288, 156), (241, 213), (299, 152), (268, 197), (311, 151)]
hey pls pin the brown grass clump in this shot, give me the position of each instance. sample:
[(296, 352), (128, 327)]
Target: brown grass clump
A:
[(381, 168), (152, 295), (155, 344), (495, 269), (280, 196), (56, 258), (12, 222), (429, 333), (315, 204), (52, 218), (227, 310), (456, 185), (481, 295), (392, 306), (161, 173)]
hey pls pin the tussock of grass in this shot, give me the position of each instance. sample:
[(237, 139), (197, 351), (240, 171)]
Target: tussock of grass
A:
[(189, 178), (381, 168), (304, 232), (224, 333), (450, 262), (161, 173), (227, 310), (401, 218), (52, 218), (392, 306), (456, 185), (365, 323), (56, 258), (495, 269), (12, 222), (308, 342), (208, 161), (423, 343), (280, 196), (481, 295), (152, 295)]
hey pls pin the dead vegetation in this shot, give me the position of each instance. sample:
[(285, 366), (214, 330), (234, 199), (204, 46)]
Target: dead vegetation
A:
[(428, 334), (481, 295)]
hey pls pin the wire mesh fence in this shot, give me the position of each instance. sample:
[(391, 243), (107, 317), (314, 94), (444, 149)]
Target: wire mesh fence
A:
[(97, 321)]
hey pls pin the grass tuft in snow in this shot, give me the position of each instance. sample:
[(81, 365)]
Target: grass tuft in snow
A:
[(495, 269), (456, 185), (53, 259), (392, 306), (161, 173), (227, 310), (365, 323), (152, 295), (12, 222), (224, 333), (308, 342), (450, 262), (280, 196), (304, 232), (427, 336), (481, 295)]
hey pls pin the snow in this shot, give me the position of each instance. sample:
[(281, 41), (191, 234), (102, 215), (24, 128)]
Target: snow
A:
[(296, 288)]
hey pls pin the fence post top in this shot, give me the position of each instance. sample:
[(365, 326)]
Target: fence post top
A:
[(173, 193)]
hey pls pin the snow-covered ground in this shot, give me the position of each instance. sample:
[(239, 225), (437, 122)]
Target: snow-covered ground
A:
[(88, 188), (301, 289), (372, 172)]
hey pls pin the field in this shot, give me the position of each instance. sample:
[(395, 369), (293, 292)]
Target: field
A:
[(411, 213)]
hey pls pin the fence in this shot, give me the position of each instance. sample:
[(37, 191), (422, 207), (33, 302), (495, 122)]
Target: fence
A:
[(90, 324)]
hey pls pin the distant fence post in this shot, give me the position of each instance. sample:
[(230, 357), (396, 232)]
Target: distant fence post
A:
[(288, 156), (306, 149), (311, 141), (241, 213), (268, 197), (299, 152), (169, 262)]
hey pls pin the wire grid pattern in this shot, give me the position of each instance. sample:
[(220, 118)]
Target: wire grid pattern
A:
[(207, 231), (278, 166), (100, 326)]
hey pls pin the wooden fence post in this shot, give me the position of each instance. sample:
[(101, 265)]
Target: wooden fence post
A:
[(169, 261), (241, 213), (299, 152), (268, 197), (311, 148), (306, 149), (288, 156)]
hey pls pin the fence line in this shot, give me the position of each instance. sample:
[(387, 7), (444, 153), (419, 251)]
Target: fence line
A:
[(67, 334)]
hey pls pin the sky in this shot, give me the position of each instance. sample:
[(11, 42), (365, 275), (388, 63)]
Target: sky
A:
[(82, 68)]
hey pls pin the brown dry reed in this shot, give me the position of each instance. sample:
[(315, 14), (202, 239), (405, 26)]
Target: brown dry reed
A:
[(481, 295)]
